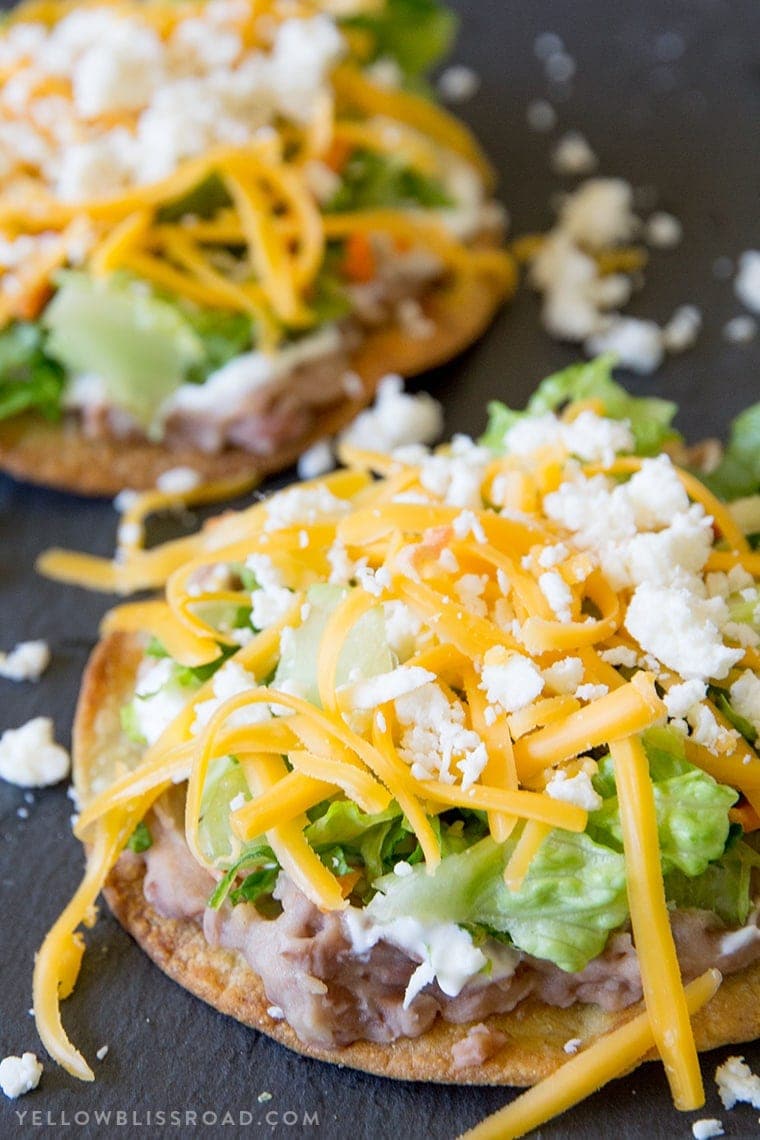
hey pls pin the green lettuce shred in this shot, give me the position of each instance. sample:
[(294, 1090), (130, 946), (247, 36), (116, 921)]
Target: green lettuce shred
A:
[(649, 417), (417, 34)]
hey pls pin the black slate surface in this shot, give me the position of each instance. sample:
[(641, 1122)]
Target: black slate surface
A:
[(687, 127)]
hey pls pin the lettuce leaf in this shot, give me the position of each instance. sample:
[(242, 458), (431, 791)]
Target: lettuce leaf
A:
[(738, 473), (29, 378), (692, 807), (723, 888), (649, 417), (371, 180), (573, 895), (416, 33)]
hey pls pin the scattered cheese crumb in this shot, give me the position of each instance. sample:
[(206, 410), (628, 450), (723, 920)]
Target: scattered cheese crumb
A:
[(663, 231), (636, 343), (707, 1128), (396, 419), (573, 155), (101, 1052), (737, 1083), (740, 330), (458, 83), (682, 329), (576, 790), (510, 680), (564, 676), (747, 280), (178, 480), (19, 1075), (275, 1012), (540, 115), (318, 460), (29, 756), (386, 687), (573, 1045), (27, 662)]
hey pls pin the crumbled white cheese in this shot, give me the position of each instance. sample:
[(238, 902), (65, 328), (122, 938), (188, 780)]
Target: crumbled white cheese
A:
[(540, 115), (275, 1012), (468, 523), (553, 556), (682, 630), (747, 280), (573, 155), (682, 330), (559, 67), (402, 628), (576, 790), (599, 214), (620, 655), (636, 343), (102, 1052), (663, 231), (318, 460), (591, 692), (547, 44), (384, 687), (511, 681), (19, 1075), (272, 600), (456, 476), (740, 330), (303, 505), (590, 437), (737, 1083), (396, 419), (27, 662), (29, 756), (557, 593), (573, 1045), (745, 698), (680, 699), (470, 589), (458, 83), (706, 1128), (178, 480), (564, 676), (229, 681), (434, 737)]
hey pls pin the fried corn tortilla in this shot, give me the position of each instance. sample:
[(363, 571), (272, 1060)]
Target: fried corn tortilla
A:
[(60, 455), (535, 1033)]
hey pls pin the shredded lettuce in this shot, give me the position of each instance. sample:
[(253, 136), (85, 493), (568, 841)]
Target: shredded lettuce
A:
[(29, 379), (649, 417), (738, 474), (723, 887), (722, 701), (371, 180), (692, 808), (417, 34), (140, 839), (573, 895)]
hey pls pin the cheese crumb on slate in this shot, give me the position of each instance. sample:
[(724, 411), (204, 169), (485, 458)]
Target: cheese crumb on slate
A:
[(682, 329), (27, 662), (637, 344), (19, 1075), (397, 419), (737, 1083), (747, 280), (663, 231), (573, 155), (740, 330), (458, 83), (540, 115), (29, 756), (707, 1128)]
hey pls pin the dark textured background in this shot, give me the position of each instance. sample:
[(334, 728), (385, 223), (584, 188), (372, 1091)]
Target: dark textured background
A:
[(688, 128)]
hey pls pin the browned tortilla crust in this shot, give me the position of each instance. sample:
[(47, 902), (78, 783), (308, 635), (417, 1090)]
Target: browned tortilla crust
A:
[(535, 1033), (60, 455)]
